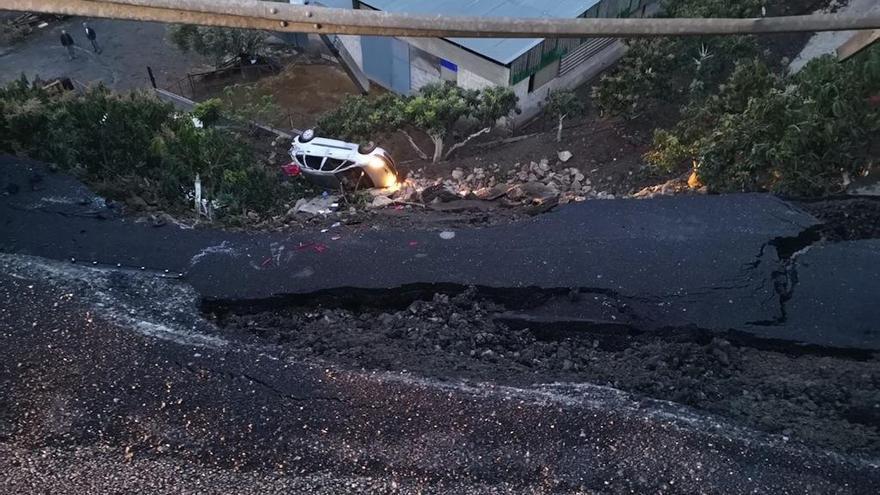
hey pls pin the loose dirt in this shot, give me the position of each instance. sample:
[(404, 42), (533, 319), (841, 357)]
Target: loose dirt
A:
[(846, 219), (830, 401)]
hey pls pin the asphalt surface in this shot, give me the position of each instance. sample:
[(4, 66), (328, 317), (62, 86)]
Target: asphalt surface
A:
[(705, 261), (128, 48), (111, 383)]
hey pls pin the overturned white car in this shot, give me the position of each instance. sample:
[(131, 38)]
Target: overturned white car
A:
[(331, 163)]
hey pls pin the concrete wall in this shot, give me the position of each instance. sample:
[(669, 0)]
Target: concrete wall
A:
[(496, 74), (472, 80), (475, 72), (353, 45), (425, 68), (530, 103)]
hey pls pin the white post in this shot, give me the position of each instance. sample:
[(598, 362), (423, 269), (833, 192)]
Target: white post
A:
[(198, 190)]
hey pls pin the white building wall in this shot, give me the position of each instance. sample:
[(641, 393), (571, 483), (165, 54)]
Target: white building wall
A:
[(530, 103), (421, 77), (496, 74), (471, 80), (352, 43)]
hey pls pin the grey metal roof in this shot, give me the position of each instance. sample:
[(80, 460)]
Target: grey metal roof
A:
[(502, 50)]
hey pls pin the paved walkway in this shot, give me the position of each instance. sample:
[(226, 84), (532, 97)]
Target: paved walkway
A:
[(128, 48)]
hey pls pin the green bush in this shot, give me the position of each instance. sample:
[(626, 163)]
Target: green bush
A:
[(673, 69), (360, 118), (209, 111), (796, 135), (134, 144)]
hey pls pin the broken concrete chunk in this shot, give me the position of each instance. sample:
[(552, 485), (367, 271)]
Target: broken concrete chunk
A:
[(564, 156), (320, 205), (538, 191), (381, 202), (439, 193), (492, 193)]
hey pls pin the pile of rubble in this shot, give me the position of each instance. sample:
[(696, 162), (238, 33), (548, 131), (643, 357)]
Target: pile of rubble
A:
[(522, 184)]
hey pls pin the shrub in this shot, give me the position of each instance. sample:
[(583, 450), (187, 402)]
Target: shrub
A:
[(208, 112), (796, 135), (671, 69), (134, 144)]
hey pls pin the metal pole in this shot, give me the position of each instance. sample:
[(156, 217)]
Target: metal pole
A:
[(394, 24), (152, 78), (297, 18)]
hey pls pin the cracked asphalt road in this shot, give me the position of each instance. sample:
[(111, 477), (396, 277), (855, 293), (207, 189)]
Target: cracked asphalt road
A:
[(110, 378), (705, 261), (103, 391)]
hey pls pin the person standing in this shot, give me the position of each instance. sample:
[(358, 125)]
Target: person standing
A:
[(93, 37), (67, 42)]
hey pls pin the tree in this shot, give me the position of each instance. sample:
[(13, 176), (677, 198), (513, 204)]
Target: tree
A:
[(360, 118), (437, 108), (560, 104), (218, 43)]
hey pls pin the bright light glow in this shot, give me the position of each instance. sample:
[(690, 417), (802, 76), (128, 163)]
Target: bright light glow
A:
[(376, 163), (390, 182)]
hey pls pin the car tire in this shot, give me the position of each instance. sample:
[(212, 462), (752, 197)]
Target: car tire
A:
[(307, 135), (366, 148)]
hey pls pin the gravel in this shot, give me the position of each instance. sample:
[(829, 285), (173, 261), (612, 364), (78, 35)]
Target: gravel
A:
[(830, 401)]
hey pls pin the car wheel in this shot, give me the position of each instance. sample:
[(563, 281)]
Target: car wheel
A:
[(307, 135), (366, 148)]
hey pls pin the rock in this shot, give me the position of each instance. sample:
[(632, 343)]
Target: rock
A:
[(538, 191), (136, 202), (438, 193), (320, 205), (564, 156), (161, 219), (381, 202), (457, 174), (515, 193), (492, 193)]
